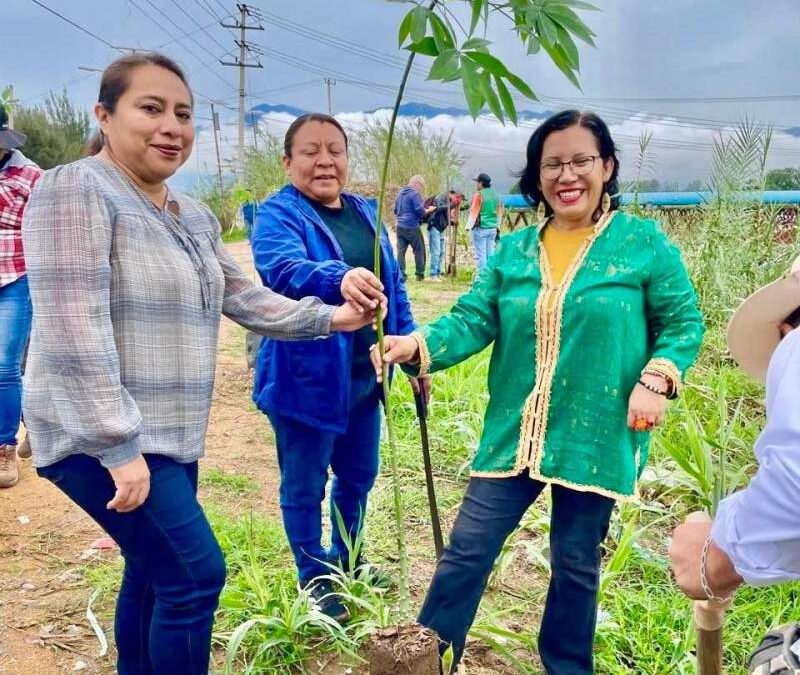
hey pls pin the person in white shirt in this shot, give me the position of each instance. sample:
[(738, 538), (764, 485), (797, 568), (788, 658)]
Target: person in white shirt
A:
[(755, 535)]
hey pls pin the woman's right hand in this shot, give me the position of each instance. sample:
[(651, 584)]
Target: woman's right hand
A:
[(133, 485), (397, 349), (347, 318)]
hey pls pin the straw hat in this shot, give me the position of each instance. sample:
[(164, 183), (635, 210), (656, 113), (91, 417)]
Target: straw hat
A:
[(754, 330)]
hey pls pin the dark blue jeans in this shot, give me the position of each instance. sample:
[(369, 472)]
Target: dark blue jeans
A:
[(15, 326), (304, 455), (491, 510), (174, 569)]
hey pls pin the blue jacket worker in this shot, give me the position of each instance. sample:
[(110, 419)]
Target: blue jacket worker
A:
[(410, 210), (313, 239)]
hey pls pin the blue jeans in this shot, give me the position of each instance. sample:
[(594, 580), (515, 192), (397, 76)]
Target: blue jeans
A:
[(304, 455), (15, 327), (491, 510), (174, 569), (483, 244), (436, 245)]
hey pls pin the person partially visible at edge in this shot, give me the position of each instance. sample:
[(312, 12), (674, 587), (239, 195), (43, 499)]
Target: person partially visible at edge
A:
[(312, 238), (438, 222), (129, 281), (594, 322), (410, 210), (18, 175), (755, 535), (485, 216)]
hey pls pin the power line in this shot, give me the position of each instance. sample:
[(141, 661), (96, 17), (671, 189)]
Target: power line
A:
[(178, 39), (194, 21), (78, 26)]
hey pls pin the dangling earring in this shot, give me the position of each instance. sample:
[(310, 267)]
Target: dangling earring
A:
[(605, 203), (541, 212)]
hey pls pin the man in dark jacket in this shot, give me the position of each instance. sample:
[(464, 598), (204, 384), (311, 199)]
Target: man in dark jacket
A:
[(410, 210)]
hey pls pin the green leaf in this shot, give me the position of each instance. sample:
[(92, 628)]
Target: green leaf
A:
[(491, 63), (441, 33), (490, 96), (477, 6), (571, 22), (426, 46), (519, 84), (478, 44), (568, 45), (419, 22), (533, 44), (446, 66), (578, 4), (547, 30), (562, 62), (506, 99), (470, 81), (405, 28)]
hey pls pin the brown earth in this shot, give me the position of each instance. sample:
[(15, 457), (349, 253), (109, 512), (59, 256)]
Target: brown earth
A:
[(45, 538)]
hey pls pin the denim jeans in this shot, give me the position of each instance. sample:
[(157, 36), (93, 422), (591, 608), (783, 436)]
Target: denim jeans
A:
[(436, 245), (15, 327), (414, 239), (304, 454), (491, 510), (174, 569), (483, 245)]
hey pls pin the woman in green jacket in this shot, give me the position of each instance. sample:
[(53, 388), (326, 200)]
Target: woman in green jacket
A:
[(594, 323)]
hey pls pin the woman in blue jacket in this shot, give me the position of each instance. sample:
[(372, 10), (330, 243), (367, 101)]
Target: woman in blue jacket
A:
[(313, 239)]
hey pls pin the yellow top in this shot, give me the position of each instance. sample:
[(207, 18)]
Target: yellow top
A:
[(562, 246)]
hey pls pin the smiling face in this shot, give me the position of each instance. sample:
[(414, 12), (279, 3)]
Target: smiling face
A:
[(573, 198), (151, 131), (317, 165)]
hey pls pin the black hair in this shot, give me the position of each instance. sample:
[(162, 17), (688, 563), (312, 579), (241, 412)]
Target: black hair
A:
[(294, 127), (529, 179)]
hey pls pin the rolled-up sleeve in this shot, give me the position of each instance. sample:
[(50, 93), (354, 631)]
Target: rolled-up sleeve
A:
[(67, 235), (758, 528)]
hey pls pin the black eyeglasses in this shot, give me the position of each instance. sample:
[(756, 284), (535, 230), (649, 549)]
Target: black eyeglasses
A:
[(580, 166)]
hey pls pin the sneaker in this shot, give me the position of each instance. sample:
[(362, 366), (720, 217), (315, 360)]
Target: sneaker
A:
[(329, 603), (438, 280), (24, 449), (8, 466)]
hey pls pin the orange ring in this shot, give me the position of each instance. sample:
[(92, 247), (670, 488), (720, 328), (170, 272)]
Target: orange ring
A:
[(641, 424)]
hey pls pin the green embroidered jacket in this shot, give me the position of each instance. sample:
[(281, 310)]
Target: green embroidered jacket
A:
[(566, 357)]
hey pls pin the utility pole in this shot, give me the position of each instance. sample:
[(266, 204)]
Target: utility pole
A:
[(249, 19), (215, 129), (328, 83)]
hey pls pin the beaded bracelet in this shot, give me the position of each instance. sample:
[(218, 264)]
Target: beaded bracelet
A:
[(704, 579), (655, 390)]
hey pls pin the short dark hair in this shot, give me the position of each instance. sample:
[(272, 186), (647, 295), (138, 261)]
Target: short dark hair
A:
[(294, 127), (529, 180), (117, 78)]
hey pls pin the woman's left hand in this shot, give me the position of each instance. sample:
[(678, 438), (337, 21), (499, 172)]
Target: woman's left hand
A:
[(646, 409)]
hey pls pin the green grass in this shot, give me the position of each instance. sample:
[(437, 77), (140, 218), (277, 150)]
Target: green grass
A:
[(234, 235), (235, 484)]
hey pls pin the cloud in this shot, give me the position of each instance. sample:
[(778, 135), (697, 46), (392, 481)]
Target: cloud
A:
[(679, 151)]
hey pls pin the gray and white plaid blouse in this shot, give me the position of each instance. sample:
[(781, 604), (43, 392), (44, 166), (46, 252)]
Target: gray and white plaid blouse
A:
[(126, 309)]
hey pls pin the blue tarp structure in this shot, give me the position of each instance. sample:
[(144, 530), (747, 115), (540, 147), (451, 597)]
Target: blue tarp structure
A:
[(680, 199)]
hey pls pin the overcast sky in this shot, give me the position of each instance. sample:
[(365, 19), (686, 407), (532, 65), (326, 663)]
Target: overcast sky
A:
[(743, 53)]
